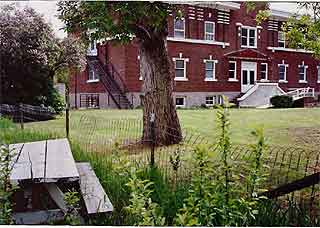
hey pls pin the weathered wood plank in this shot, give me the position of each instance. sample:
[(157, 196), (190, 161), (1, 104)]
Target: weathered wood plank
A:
[(60, 163), (38, 217), (297, 185), (95, 198), (57, 195), (29, 162)]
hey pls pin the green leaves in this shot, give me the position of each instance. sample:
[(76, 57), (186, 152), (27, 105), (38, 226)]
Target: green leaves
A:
[(116, 20), (144, 212)]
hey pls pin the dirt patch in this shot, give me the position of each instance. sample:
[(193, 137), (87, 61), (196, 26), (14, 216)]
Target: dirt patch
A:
[(306, 136)]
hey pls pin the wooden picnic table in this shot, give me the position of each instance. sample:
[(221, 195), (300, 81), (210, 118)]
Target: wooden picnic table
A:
[(48, 164), (43, 162)]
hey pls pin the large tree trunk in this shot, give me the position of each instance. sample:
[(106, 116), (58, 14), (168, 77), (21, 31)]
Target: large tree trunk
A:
[(157, 74)]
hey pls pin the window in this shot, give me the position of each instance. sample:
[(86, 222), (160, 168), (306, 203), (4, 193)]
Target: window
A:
[(210, 101), (318, 73), (232, 71), (180, 68), (282, 72), (89, 100), (302, 69), (179, 28), (210, 71), (93, 45), (209, 30), (281, 39), (248, 37), (180, 101), (264, 71), (93, 76)]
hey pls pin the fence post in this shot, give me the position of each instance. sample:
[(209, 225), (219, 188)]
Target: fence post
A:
[(21, 116), (67, 111), (153, 138)]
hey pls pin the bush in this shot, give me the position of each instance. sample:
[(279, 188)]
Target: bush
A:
[(282, 101)]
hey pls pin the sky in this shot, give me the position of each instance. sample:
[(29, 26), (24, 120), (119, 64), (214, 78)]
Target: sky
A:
[(49, 11)]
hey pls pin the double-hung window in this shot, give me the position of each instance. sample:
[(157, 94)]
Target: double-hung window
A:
[(281, 39), (179, 28), (92, 76), (210, 70), (180, 67), (302, 69), (209, 30), (264, 71), (248, 37), (232, 71), (283, 69)]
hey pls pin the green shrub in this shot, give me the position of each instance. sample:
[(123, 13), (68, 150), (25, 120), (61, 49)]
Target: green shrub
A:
[(281, 101), (217, 194)]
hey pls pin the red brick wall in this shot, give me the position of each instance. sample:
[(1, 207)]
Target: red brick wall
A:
[(125, 57)]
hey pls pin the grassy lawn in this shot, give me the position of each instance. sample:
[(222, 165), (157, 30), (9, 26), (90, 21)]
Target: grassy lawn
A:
[(297, 127)]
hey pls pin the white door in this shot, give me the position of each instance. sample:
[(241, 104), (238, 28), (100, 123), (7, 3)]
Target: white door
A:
[(248, 75)]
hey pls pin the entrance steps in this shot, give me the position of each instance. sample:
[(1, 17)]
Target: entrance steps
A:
[(259, 95)]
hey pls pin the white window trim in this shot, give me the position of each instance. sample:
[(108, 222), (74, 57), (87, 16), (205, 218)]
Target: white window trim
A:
[(266, 79), (235, 72), (180, 30), (255, 39), (318, 78), (92, 80), (305, 73), (213, 79), (213, 100), (184, 102), (284, 41), (185, 60), (209, 33), (286, 66)]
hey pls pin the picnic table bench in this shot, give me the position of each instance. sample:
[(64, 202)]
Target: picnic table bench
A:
[(45, 170)]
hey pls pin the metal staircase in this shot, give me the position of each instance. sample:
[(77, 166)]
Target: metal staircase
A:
[(112, 82), (301, 93)]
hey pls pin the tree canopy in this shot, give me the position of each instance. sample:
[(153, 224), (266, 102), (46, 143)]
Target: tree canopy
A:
[(31, 56), (117, 20)]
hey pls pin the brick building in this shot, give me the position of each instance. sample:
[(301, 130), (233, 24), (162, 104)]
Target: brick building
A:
[(217, 49)]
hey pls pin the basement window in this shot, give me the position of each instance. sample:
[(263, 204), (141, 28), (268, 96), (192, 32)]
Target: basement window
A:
[(180, 102)]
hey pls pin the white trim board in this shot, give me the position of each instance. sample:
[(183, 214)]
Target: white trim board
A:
[(288, 49), (196, 41)]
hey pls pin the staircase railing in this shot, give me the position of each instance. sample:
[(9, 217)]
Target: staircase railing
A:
[(112, 82), (117, 77), (301, 93)]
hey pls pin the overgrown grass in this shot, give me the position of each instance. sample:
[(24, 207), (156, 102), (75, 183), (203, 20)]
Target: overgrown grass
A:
[(170, 199), (282, 126)]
